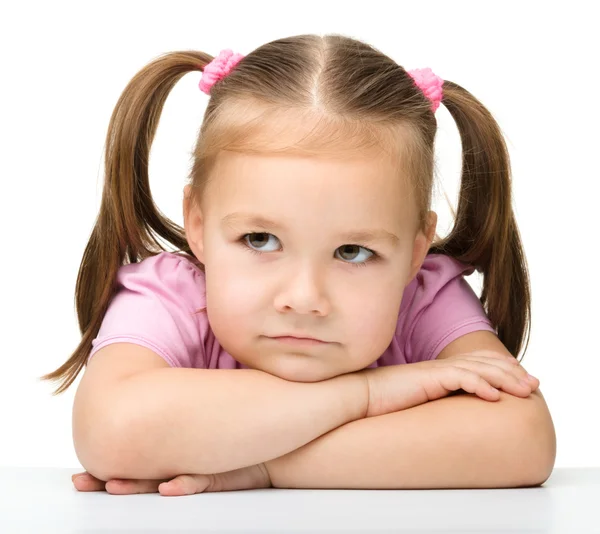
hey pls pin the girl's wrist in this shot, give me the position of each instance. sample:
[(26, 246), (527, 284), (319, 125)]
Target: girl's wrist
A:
[(354, 394)]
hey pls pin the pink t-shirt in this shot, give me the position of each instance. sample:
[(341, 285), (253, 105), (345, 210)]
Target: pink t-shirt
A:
[(156, 299)]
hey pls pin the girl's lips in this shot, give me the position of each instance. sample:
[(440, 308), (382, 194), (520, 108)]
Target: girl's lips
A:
[(298, 341)]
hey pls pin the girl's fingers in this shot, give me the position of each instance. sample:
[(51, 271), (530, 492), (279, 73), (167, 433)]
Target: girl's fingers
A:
[(508, 365), (180, 485), (77, 475), (185, 485), (128, 487), (86, 482), (83, 474), (251, 477), (494, 375)]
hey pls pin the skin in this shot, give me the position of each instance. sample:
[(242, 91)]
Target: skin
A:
[(252, 477), (303, 278)]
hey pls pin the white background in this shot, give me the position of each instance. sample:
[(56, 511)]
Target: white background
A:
[(64, 65)]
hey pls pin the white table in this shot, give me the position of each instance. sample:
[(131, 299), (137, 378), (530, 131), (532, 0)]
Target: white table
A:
[(44, 501)]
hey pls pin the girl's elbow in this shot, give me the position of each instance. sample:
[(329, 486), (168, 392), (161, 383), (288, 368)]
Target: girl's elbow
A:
[(542, 439)]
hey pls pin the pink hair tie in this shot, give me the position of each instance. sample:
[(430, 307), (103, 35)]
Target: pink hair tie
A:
[(221, 66), (218, 68), (430, 84)]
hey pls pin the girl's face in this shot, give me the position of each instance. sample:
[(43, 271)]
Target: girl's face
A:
[(305, 273)]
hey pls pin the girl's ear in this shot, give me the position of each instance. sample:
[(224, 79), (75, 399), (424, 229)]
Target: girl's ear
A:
[(193, 224), (421, 246)]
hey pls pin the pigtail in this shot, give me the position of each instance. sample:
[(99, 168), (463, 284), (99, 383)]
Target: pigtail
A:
[(485, 233), (128, 222)]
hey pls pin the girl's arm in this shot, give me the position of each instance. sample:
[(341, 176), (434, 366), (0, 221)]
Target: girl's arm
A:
[(454, 442), (181, 420)]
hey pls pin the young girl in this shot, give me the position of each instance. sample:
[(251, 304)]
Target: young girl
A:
[(270, 348)]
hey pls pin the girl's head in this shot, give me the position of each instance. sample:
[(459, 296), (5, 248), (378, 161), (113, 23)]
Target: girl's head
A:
[(325, 136), (309, 272)]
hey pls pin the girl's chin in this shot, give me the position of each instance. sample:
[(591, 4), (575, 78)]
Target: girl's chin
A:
[(300, 368)]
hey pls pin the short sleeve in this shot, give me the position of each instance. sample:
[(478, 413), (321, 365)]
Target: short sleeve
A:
[(443, 307), (155, 306)]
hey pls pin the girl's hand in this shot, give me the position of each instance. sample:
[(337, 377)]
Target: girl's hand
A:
[(397, 387), (252, 477)]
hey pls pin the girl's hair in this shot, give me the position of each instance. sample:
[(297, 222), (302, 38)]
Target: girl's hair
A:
[(360, 98)]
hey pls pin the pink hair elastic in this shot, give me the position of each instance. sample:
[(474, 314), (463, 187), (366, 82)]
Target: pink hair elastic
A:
[(222, 64), (430, 84), (218, 68)]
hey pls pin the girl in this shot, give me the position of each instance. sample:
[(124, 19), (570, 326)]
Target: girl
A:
[(304, 280)]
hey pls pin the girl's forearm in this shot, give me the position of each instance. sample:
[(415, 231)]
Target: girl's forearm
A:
[(455, 442), (175, 420)]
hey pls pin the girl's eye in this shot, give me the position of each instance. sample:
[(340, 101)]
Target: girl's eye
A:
[(260, 238)]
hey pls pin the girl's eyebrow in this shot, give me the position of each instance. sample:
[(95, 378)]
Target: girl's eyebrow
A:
[(262, 222)]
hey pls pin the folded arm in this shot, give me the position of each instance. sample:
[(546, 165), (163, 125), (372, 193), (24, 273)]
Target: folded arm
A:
[(454, 442), (458, 441), (169, 421)]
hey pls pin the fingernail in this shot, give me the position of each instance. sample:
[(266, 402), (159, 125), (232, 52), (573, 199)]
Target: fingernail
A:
[(531, 377)]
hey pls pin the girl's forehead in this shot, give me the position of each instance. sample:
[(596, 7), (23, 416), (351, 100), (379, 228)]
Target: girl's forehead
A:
[(359, 161), (261, 129), (362, 173), (358, 185)]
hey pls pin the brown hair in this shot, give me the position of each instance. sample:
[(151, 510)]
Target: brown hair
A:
[(360, 98)]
